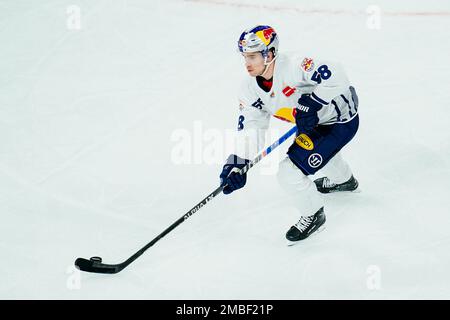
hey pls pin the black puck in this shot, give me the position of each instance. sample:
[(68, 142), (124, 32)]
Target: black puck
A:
[(96, 259)]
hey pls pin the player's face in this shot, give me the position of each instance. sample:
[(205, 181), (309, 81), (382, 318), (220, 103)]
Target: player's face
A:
[(254, 63)]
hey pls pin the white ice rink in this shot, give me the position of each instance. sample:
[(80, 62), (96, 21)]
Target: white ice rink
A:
[(96, 95)]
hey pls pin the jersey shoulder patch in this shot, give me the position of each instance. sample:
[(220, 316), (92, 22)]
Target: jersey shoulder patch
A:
[(307, 64)]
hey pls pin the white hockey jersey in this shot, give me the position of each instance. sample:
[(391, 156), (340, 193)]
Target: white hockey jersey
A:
[(293, 76)]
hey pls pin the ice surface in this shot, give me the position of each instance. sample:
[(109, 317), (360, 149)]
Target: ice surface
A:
[(87, 123)]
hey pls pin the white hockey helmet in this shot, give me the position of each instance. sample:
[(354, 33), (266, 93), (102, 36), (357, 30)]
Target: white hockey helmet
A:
[(259, 39)]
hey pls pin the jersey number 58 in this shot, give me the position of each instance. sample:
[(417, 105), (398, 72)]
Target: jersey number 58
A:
[(322, 73)]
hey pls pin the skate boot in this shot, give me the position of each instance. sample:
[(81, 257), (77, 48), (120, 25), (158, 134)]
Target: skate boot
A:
[(306, 226), (324, 185)]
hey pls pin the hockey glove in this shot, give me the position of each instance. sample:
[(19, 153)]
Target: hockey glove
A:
[(306, 113), (230, 174)]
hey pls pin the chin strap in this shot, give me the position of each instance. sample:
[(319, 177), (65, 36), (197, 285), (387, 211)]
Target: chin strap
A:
[(267, 64)]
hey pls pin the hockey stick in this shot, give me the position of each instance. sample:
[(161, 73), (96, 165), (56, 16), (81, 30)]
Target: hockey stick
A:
[(95, 264)]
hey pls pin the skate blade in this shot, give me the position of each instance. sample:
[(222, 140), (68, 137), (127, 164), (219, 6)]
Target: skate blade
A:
[(357, 190), (293, 243)]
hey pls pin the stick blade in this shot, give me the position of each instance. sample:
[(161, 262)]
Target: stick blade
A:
[(96, 266)]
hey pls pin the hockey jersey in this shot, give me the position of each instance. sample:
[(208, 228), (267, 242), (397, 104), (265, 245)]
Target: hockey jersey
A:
[(293, 76)]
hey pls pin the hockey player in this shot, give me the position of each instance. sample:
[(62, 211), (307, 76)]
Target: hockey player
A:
[(315, 95)]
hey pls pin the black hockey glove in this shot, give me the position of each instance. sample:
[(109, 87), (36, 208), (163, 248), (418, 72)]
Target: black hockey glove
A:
[(306, 113), (230, 175)]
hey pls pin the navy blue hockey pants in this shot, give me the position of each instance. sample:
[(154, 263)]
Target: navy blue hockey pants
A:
[(327, 140)]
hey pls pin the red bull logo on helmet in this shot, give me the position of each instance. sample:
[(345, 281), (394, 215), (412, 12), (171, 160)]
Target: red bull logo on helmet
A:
[(266, 35)]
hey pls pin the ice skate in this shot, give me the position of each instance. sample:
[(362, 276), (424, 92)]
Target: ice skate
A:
[(305, 227), (324, 185)]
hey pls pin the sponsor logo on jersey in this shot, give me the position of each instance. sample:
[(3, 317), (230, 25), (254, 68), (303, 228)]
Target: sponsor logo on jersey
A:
[(258, 104), (241, 105), (308, 64), (315, 160), (288, 91), (285, 114), (305, 142)]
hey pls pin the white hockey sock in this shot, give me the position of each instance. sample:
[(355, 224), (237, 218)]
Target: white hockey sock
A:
[(303, 192), (337, 169)]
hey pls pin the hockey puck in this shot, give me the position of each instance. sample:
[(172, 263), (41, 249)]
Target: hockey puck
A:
[(96, 259)]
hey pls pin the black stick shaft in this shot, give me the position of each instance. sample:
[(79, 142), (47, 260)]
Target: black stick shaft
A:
[(174, 225), (95, 265)]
